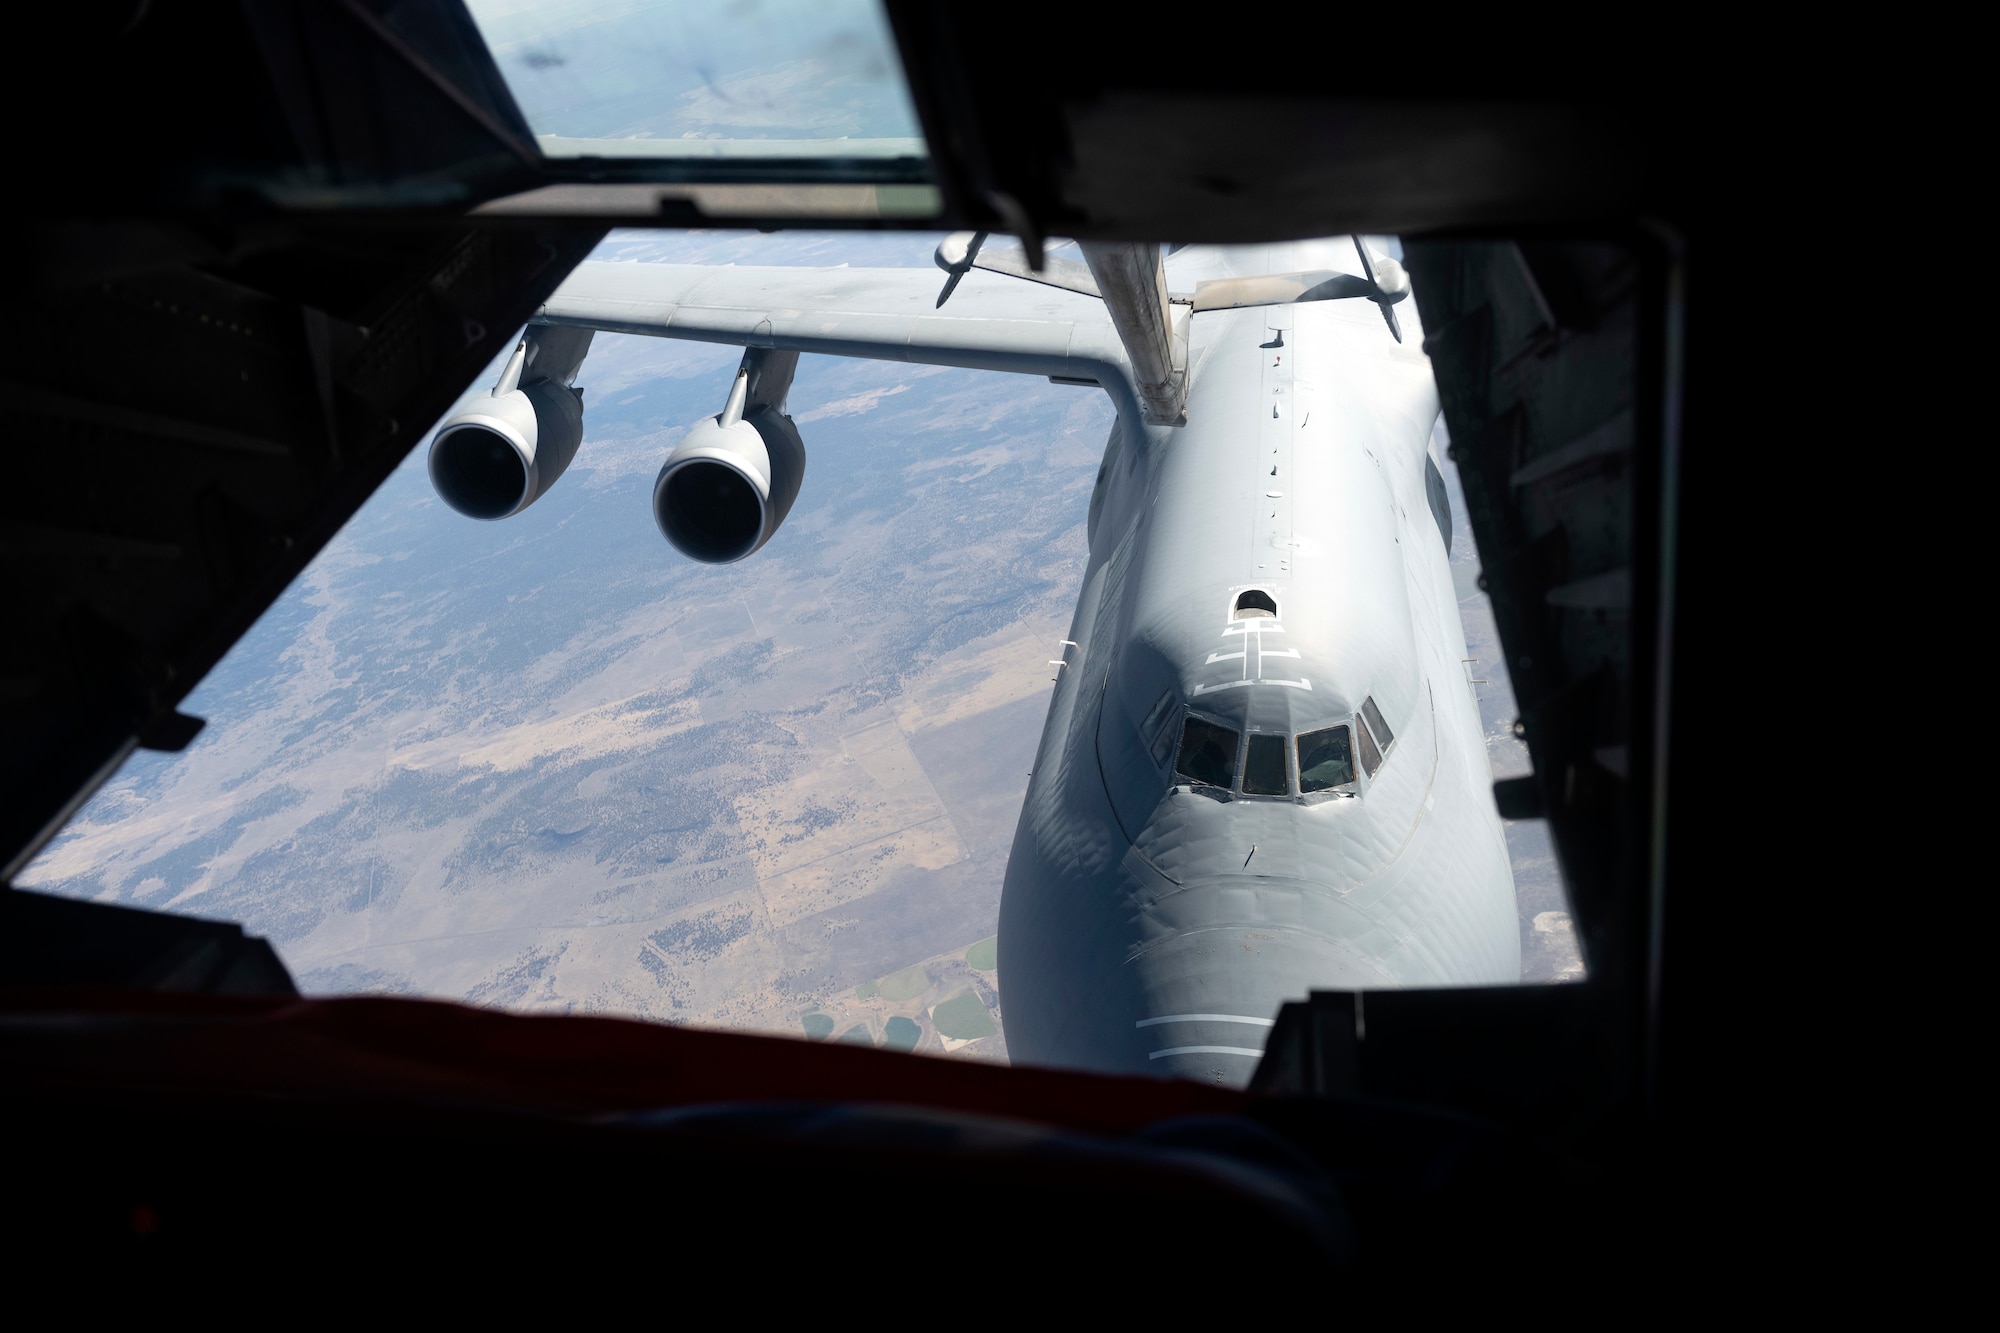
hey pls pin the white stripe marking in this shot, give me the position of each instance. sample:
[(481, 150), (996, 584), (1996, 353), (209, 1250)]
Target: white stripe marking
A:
[(1206, 1050), (1204, 1018)]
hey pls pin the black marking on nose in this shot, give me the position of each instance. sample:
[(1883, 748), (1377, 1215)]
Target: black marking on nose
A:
[(1274, 411), (1253, 852), (1278, 341)]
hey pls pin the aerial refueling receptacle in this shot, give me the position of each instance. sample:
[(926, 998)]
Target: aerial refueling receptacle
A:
[(501, 453), (727, 486)]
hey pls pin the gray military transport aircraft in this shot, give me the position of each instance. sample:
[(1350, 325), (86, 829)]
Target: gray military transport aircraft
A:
[(1262, 772)]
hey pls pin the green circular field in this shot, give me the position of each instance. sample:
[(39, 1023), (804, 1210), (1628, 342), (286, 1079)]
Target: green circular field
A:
[(963, 1018), (907, 984)]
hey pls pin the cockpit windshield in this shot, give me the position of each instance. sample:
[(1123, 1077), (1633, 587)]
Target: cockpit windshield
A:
[(1208, 753), (1371, 754), (1264, 769), (1326, 760), (1158, 735), (1377, 724)]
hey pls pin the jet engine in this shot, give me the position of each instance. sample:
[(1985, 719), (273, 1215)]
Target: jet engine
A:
[(501, 453), (727, 486)]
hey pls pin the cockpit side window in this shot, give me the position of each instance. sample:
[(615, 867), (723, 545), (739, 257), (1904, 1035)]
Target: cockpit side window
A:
[(1159, 737), (1325, 760), (1255, 602), (1208, 752), (1383, 736), (1264, 767), (1371, 754)]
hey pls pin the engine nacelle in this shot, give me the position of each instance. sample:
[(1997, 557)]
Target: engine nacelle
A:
[(728, 485), (502, 452)]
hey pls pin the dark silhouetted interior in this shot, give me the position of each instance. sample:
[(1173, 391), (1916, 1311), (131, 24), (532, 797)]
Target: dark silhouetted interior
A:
[(225, 333), (711, 511), (479, 473), (50, 941)]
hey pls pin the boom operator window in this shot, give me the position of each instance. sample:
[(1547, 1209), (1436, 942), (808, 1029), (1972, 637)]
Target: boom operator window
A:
[(1208, 752)]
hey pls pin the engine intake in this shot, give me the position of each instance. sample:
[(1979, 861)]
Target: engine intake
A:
[(728, 485), (504, 451)]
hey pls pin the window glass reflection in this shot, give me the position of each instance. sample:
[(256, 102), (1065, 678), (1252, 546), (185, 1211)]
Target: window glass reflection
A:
[(1264, 767), (1208, 752), (1371, 754), (1373, 716), (1325, 760), (1157, 734)]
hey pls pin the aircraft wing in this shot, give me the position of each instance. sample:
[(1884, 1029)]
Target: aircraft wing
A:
[(887, 314)]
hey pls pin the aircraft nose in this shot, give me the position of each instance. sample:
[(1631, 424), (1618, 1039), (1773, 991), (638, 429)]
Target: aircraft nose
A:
[(1222, 1049), (1211, 985)]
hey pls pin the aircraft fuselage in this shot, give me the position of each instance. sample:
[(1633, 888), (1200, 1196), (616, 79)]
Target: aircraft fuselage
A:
[(1263, 770)]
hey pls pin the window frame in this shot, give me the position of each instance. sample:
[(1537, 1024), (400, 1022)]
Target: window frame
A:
[(1277, 611), (1369, 705), (1351, 787), (1365, 744), (1284, 740), (1236, 759), (1164, 708)]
